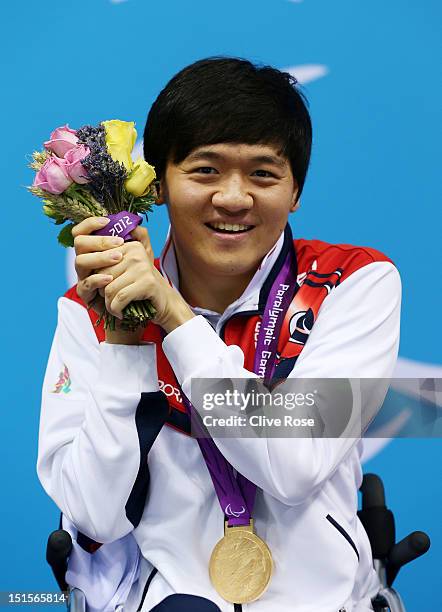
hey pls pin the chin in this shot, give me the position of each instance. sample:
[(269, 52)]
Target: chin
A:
[(232, 270)]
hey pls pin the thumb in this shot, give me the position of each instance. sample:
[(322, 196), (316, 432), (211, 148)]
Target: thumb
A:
[(141, 234)]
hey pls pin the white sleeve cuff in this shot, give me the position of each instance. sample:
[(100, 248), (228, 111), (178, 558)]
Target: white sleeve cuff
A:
[(128, 368)]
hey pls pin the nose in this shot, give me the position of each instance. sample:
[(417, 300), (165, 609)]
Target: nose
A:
[(232, 197)]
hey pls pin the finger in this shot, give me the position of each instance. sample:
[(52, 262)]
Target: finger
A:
[(116, 286), (92, 244), (142, 235), (89, 225), (135, 291), (121, 299), (88, 287), (139, 233), (87, 262)]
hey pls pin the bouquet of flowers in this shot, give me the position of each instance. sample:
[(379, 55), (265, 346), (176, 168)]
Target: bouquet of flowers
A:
[(90, 172)]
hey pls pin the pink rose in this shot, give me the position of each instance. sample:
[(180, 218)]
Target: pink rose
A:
[(73, 164), (62, 139), (53, 176)]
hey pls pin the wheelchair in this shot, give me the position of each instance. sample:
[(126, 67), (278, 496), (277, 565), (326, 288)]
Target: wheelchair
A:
[(378, 521)]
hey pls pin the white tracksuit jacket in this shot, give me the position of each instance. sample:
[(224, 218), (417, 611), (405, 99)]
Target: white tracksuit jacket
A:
[(89, 456)]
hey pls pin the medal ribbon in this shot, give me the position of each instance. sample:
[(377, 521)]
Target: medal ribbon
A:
[(237, 495)]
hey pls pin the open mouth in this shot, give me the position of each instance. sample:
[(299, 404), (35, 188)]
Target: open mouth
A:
[(229, 228)]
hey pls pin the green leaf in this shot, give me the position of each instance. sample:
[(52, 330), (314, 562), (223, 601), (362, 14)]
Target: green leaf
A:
[(65, 236)]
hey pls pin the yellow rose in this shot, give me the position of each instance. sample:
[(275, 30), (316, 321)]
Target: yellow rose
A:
[(140, 178), (120, 139)]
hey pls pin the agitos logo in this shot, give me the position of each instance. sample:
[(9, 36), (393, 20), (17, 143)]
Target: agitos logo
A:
[(300, 326)]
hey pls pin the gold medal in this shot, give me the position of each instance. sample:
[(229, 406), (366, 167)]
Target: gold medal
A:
[(241, 565)]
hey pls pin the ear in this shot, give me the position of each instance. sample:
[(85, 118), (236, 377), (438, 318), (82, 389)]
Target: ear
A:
[(295, 204), (161, 191)]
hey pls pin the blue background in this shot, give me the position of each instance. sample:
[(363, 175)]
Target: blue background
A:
[(374, 180)]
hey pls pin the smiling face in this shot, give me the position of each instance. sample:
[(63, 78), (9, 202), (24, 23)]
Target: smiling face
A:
[(228, 205)]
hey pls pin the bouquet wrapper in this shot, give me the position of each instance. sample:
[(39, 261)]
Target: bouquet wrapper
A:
[(120, 224)]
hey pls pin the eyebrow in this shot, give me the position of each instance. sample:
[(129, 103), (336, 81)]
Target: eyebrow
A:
[(258, 159)]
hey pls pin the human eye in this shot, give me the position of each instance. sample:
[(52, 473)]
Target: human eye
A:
[(205, 170), (264, 174)]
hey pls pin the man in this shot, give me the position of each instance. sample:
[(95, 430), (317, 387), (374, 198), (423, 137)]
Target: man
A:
[(231, 145)]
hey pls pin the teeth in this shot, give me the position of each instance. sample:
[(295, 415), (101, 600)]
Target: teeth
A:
[(229, 227)]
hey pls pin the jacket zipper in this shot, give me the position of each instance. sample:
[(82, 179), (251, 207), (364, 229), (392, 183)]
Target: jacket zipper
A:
[(343, 532)]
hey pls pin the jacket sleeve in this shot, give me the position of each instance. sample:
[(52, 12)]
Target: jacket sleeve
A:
[(356, 335), (101, 411)]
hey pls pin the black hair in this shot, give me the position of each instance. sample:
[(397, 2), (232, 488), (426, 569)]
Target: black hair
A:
[(222, 99)]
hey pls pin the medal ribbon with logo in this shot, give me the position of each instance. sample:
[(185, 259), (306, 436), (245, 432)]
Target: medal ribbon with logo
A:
[(241, 564)]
